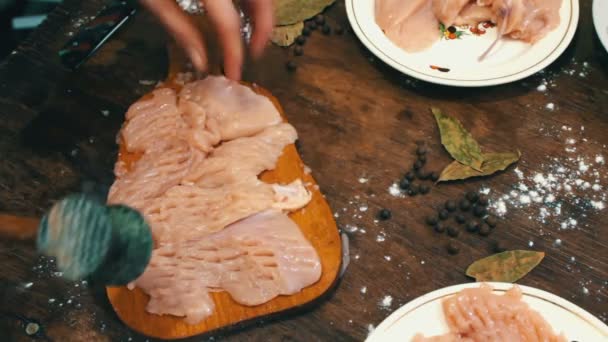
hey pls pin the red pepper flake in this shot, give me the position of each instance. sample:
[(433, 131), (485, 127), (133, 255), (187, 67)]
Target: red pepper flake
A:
[(434, 67)]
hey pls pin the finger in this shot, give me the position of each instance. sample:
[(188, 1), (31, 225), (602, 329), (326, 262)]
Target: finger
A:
[(262, 14), (227, 22), (181, 27)]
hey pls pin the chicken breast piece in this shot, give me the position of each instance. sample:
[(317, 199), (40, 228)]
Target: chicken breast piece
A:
[(244, 157), (527, 20), (186, 212), (479, 315), (153, 174), (238, 110), (448, 10), (152, 123), (254, 260), (411, 24)]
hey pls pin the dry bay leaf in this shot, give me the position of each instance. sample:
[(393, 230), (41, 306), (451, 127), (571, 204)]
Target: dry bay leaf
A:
[(493, 162), (289, 12), (458, 141), (506, 267), (286, 35)]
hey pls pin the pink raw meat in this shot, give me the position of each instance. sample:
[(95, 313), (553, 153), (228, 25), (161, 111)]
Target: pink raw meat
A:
[(254, 260)]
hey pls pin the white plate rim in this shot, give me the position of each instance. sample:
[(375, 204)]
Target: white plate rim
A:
[(602, 32), (393, 318), (557, 51)]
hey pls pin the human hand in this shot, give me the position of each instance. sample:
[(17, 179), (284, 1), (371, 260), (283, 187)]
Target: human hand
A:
[(224, 16)]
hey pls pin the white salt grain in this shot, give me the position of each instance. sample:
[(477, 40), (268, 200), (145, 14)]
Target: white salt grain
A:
[(550, 106), (386, 302), (387, 258), (27, 285), (394, 190), (364, 290), (363, 208), (530, 243), (557, 243), (598, 205), (585, 291), (599, 159), (370, 329), (380, 238), (596, 187), (542, 88), (349, 228)]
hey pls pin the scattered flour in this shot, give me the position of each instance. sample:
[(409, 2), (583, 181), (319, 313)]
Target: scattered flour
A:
[(395, 191), (564, 190)]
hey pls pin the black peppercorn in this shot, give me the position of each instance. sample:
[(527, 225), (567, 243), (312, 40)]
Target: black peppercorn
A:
[(384, 214), (435, 176), (418, 165), (484, 230), (492, 221), (483, 200), (291, 66), (472, 197), (451, 205), (306, 31), (298, 50), (425, 189), (339, 29), (326, 29), (465, 205), (320, 19), (404, 184), (453, 249), (453, 232), (413, 191), (498, 247), (311, 25), (439, 228), (444, 214), (479, 211), (432, 220), (422, 158), (460, 218), (472, 226), (301, 40), (410, 176), (421, 174), (421, 150)]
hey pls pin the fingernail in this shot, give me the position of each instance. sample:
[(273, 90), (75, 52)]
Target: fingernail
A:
[(197, 60)]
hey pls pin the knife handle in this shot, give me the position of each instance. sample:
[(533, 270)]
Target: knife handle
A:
[(94, 34), (18, 228)]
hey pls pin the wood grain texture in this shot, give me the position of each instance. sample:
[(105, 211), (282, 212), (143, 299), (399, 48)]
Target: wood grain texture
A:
[(356, 118), (316, 222)]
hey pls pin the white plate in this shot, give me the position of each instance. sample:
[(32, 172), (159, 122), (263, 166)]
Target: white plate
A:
[(425, 315), (510, 61), (600, 19)]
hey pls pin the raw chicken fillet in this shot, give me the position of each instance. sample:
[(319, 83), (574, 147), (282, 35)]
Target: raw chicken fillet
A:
[(254, 260), (216, 225), (413, 25), (479, 315)]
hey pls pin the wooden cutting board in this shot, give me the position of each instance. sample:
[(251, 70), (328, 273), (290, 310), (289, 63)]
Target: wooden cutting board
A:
[(315, 220)]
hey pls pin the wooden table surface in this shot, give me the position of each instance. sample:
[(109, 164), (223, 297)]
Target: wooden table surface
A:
[(358, 120)]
